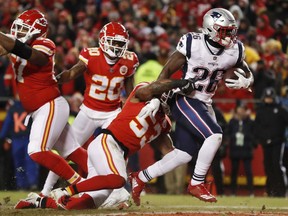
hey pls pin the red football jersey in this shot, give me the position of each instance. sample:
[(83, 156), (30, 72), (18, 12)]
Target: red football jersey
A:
[(36, 85), (134, 132), (104, 82)]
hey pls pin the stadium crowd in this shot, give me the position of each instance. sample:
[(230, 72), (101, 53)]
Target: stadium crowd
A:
[(157, 25)]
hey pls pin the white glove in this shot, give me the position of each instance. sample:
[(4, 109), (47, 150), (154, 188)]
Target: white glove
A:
[(241, 82), (29, 35), (150, 109)]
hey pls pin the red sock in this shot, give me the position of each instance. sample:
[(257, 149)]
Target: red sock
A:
[(111, 181), (83, 202), (80, 157), (57, 164)]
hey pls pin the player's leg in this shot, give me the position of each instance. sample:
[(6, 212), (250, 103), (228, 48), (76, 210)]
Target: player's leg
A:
[(200, 120), (48, 123), (109, 163)]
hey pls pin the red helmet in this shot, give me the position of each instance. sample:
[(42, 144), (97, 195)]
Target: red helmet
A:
[(29, 24), (114, 39)]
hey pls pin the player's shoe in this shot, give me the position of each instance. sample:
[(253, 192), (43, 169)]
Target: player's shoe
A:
[(32, 201), (200, 191), (137, 187), (119, 198)]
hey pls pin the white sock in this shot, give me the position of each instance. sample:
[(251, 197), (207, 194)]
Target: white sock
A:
[(170, 161), (51, 180), (205, 157)]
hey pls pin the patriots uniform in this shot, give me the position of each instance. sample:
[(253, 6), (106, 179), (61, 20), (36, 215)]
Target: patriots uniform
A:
[(208, 66), (103, 81), (36, 84)]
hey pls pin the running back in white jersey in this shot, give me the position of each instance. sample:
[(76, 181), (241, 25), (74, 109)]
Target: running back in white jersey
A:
[(208, 67)]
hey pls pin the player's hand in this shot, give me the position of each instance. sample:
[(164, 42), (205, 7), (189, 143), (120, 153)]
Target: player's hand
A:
[(29, 35), (241, 82), (190, 86), (150, 109)]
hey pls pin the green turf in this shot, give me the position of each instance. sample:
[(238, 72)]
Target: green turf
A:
[(163, 203)]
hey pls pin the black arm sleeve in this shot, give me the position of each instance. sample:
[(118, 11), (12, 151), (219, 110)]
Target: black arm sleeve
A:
[(22, 50)]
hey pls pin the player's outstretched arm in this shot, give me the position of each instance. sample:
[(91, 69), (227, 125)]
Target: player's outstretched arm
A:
[(23, 50), (72, 73), (155, 89)]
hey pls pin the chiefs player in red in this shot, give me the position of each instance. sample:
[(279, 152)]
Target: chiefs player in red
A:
[(107, 70), (138, 123), (32, 57)]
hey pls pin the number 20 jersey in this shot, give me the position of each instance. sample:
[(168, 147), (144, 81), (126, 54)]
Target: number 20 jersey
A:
[(208, 66), (104, 82), (134, 131)]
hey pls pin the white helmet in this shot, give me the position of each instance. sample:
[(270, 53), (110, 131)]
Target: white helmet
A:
[(220, 25)]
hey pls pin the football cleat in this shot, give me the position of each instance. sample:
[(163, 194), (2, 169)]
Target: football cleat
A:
[(32, 201), (137, 187), (200, 191)]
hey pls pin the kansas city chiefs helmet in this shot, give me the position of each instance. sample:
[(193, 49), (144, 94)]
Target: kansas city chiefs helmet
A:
[(28, 25), (114, 39)]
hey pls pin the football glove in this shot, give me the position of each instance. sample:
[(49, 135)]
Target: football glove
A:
[(150, 109), (190, 86), (29, 35), (241, 82)]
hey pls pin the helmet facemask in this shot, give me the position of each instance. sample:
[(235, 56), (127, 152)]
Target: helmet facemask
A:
[(115, 47), (226, 36), (23, 31)]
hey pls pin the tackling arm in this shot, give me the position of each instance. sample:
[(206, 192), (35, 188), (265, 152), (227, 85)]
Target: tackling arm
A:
[(155, 89), (72, 73), (173, 64), (23, 50)]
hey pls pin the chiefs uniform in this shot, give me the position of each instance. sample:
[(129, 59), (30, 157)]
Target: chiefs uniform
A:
[(126, 134), (36, 84), (103, 81), (134, 132)]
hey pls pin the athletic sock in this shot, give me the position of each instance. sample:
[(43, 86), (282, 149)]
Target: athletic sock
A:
[(57, 164)]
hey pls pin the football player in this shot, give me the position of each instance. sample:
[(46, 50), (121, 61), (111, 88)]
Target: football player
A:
[(204, 56), (32, 57), (140, 122), (106, 69)]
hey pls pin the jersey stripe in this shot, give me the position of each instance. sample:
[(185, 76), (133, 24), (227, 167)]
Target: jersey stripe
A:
[(48, 125), (108, 154), (43, 49), (188, 45), (83, 59), (240, 52)]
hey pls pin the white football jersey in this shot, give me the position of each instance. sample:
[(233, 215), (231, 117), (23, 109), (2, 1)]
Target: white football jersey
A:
[(206, 63)]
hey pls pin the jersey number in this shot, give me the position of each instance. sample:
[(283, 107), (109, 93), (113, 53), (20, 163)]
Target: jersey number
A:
[(19, 66), (141, 128), (214, 78), (103, 88)]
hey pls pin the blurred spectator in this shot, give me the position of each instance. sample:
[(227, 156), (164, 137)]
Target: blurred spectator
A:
[(263, 78), (26, 171), (264, 29), (270, 123), (241, 144)]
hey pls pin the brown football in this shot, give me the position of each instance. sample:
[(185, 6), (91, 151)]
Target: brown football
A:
[(229, 74)]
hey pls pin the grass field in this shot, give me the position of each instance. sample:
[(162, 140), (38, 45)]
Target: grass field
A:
[(180, 205)]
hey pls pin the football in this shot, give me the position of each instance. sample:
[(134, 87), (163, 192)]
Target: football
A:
[(231, 75)]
